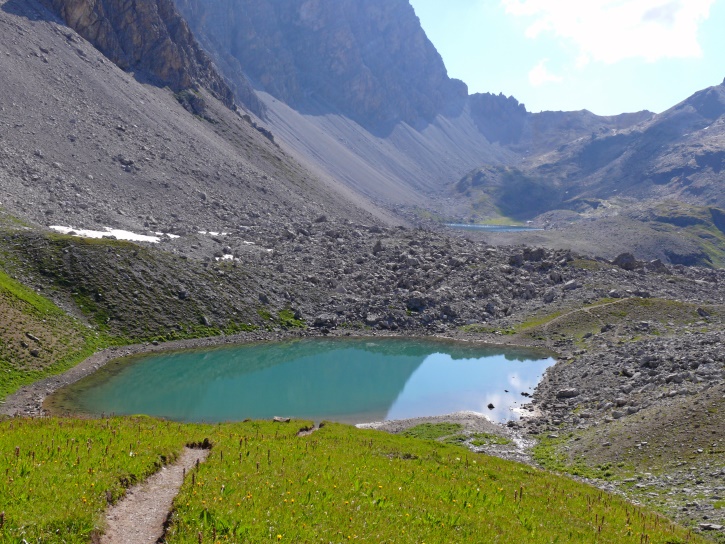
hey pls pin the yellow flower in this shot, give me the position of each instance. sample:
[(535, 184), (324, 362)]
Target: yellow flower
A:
[(279, 537)]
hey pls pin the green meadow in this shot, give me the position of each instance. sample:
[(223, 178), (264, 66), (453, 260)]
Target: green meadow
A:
[(264, 483)]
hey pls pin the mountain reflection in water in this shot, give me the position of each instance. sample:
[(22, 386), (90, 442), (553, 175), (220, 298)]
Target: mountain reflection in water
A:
[(347, 380)]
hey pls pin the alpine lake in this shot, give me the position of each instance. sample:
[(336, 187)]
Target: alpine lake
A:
[(492, 229), (345, 380)]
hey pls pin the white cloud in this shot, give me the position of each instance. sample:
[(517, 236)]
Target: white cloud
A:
[(613, 30), (539, 75)]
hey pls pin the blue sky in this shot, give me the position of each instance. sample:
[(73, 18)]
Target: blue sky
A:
[(607, 56)]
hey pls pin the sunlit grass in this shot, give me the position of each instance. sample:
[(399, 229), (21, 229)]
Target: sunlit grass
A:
[(58, 476), (343, 484), (264, 483)]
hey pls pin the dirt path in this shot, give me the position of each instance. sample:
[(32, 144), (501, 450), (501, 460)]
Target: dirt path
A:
[(140, 516), (578, 310)]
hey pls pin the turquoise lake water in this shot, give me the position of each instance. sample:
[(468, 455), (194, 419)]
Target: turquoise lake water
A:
[(348, 380), (490, 228)]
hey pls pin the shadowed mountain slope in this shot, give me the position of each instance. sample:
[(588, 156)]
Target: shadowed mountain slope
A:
[(149, 37), (86, 144), (368, 61), (656, 187)]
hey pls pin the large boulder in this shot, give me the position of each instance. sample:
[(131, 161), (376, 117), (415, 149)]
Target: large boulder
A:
[(627, 261), (567, 393)]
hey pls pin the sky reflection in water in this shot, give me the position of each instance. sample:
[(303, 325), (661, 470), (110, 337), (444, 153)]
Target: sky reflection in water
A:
[(342, 380)]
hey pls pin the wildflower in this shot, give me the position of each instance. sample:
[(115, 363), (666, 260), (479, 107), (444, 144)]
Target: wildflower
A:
[(279, 537)]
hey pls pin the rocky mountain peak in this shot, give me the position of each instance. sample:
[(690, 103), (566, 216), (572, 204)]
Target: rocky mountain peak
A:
[(146, 36), (499, 118), (370, 61)]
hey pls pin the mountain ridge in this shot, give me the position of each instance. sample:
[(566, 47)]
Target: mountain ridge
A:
[(569, 166), (405, 134)]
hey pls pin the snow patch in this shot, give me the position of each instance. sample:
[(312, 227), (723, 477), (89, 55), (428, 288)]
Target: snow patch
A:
[(108, 231)]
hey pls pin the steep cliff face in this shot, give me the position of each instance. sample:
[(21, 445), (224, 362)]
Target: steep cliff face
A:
[(370, 61), (147, 36), (356, 89)]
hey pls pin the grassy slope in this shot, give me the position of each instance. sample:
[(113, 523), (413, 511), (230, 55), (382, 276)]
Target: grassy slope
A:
[(664, 315), (264, 483), (681, 445), (668, 444), (36, 337)]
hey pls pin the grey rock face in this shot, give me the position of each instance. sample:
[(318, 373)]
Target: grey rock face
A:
[(145, 35), (370, 61)]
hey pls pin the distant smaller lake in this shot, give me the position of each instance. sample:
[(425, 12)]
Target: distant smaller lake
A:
[(347, 380), (490, 228)]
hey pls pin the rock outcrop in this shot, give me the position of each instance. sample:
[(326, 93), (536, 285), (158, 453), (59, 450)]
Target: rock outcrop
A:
[(148, 37)]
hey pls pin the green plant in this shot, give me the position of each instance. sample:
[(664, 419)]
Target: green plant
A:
[(486, 439), (288, 320), (433, 431)]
